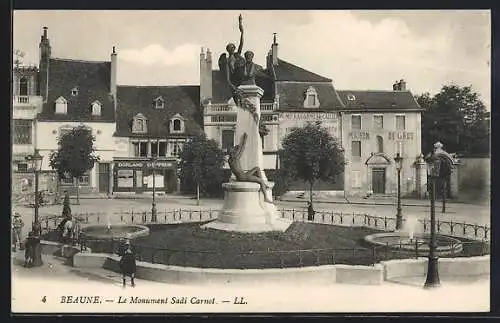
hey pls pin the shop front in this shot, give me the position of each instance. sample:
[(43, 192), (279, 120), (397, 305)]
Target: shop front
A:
[(136, 175)]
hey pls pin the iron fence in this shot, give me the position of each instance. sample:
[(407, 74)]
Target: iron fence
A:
[(452, 228)]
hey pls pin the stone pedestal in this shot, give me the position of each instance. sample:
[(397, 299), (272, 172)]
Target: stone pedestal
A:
[(252, 155), (245, 210)]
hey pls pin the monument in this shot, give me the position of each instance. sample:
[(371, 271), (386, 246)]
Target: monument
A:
[(248, 204)]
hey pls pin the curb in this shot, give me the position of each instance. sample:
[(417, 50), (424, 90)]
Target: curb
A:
[(356, 202)]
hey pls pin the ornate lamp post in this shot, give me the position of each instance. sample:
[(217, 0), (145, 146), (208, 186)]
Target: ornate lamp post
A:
[(153, 205), (432, 280), (35, 161), (399, 214)]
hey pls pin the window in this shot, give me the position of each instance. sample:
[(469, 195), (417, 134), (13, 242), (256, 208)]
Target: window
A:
[(84, 180), (400, 123), (125, 178), (380, 144), (154, 149), (227, 140), (22, 132), (311, 98), (135, 149), (223, 118), (23, 86), (61, 105), (159, 103), (67, 180), (143, 149), (378, 122), (177, 123), (356, 150), (162, 148), (22, 167), (356, 122), (139, 124), (356, 179), (96, 108), (64, 130), (351, 97), (74, 91), (176, 148)]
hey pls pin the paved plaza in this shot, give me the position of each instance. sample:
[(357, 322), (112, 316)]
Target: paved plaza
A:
[(406, 295)]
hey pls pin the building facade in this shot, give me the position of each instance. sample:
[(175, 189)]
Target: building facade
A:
[(76, 93), (153, 122), (26, 105), (371, 126)]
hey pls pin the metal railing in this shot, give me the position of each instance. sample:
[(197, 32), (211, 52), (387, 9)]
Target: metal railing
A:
[(452, 228)]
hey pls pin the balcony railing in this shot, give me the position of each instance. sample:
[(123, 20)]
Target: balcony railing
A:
[(23, 99), (224, 107)]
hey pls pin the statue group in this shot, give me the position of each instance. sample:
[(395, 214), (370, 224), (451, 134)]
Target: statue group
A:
[(239, 72)]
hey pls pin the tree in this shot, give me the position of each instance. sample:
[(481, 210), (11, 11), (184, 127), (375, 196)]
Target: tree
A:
[(457, 118), (202, 164), (310, 153), (75, 155)]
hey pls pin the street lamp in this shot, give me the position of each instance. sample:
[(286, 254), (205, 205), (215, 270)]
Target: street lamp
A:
[(35, 162), (153, 206), (432, 280), (399, 214)]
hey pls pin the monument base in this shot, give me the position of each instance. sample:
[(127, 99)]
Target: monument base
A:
[(245, 210)]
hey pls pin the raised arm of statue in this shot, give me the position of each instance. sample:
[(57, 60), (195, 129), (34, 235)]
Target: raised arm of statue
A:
[(240, 24)]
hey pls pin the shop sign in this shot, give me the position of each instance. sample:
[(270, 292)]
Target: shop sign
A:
[(144, 164), (359, 135), (400, 135)]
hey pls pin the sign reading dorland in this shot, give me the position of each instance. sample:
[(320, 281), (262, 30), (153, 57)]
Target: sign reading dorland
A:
[(393, 135), (144, 164)]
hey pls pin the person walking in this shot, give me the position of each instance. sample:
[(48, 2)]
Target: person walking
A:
[(17, 230), (29, 249), (127, 264), (310, 212)]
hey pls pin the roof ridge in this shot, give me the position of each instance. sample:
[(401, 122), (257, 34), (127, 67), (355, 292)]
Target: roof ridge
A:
[(383, 91), (77, 60), (324, 77)]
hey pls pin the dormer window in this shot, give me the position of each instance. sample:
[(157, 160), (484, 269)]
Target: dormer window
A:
[(74, 91), (139, 124), (351, 97), (159, 103), (61, 105), (177, 124), (96, 108), (311, 98)]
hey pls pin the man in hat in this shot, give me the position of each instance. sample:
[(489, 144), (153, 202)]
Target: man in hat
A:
[(17, 230), (127, 264)]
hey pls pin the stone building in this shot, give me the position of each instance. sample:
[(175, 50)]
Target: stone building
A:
[(74, 93), (26, 104), (371, 126), (153, 121)]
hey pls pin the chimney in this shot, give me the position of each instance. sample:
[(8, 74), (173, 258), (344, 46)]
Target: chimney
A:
[(402, 85), (45, 52), (205, 75), (395, 86), (113, 73), (274, 49)]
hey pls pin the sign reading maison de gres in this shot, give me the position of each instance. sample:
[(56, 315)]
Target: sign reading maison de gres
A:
[(393, 135), (143, 164)]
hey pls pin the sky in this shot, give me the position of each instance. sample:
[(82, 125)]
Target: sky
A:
[(358, 50)]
